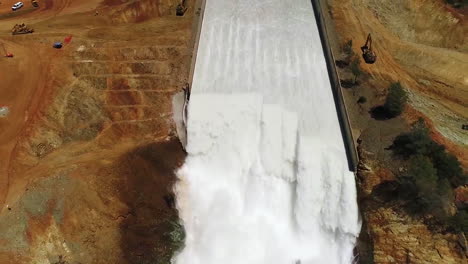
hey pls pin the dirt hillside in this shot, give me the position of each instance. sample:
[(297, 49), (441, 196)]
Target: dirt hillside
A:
[(88, 150), (421, 43)]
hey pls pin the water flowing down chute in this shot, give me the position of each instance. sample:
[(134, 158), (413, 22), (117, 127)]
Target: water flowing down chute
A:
[(266, 179)]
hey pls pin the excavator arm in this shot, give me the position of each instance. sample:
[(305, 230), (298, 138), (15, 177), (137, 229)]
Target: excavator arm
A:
[(367, 52), (368, 45)]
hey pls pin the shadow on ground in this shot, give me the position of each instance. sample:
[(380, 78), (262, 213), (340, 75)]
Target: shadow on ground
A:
[(150, 231), (379, 113)]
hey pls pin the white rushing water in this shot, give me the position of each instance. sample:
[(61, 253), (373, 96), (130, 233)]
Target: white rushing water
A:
[(266, 179)]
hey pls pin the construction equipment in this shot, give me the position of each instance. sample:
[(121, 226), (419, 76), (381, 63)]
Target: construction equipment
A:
[(67, 39), (7, 54), (367, 52), (58, 45), (17, 6), (4, 110), (181, 8), (34, 3), (21, 29)]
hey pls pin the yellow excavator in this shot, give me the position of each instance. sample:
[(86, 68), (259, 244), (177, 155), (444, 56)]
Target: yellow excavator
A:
[(367, 52)]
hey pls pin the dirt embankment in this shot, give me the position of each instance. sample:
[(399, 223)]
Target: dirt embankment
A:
[(421, 44), (88, 150)]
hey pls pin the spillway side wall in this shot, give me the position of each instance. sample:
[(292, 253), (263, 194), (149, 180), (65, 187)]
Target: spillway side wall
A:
[(196, 28), (180, 100), (343, 119)]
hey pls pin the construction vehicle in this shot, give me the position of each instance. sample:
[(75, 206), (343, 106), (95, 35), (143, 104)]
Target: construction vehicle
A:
[(21, 29), (17, 6), (34, 3), (367, 52), (4, 110), (57, 45), (7, 54), (181, 8)]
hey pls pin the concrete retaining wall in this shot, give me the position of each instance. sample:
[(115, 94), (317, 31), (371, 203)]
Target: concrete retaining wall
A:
[(180, 100), (345, 126), (196, 27)]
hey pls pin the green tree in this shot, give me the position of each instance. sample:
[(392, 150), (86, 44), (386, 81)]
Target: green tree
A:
[(460, 221), (446, 198), (415, 142), (457, 3), (431, 175), (396, 100), (362, 100), (423, 173), (449, 167), (421, 179), (348, 47), (419, 142), (355, 68)]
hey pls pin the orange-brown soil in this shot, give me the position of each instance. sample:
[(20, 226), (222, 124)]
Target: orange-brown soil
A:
[(88, 151), (421, 43)]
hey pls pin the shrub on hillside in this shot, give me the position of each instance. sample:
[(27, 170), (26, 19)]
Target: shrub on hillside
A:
[(460, 221), (395, 101), (449, 167), (418, 142), (457, 3), (425, 193), (362, 100), (409, 189), (356, 68), (347, 47), (415, 142)]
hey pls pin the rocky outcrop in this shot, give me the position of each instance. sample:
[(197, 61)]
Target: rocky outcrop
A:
[(389, 235), (400, 239)]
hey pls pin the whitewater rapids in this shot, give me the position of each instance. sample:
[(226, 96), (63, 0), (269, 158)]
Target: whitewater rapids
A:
[(266, 179)]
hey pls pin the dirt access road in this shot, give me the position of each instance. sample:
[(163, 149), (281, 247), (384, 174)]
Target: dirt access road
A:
[(88, 150)]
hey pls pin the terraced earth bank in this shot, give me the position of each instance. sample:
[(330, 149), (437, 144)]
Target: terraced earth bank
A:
[(89, 148)]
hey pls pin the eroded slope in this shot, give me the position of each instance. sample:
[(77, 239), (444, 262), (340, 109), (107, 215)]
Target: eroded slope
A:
[(89, 148)]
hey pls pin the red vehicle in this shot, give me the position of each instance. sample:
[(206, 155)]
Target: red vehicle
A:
[(7, 54)]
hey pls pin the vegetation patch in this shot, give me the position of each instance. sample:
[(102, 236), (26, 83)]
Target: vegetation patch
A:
[(432, 173), (457, 3), (396, 100), (347, 47), (355, 67), (352, 62), (394, 105), (362, 100)]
